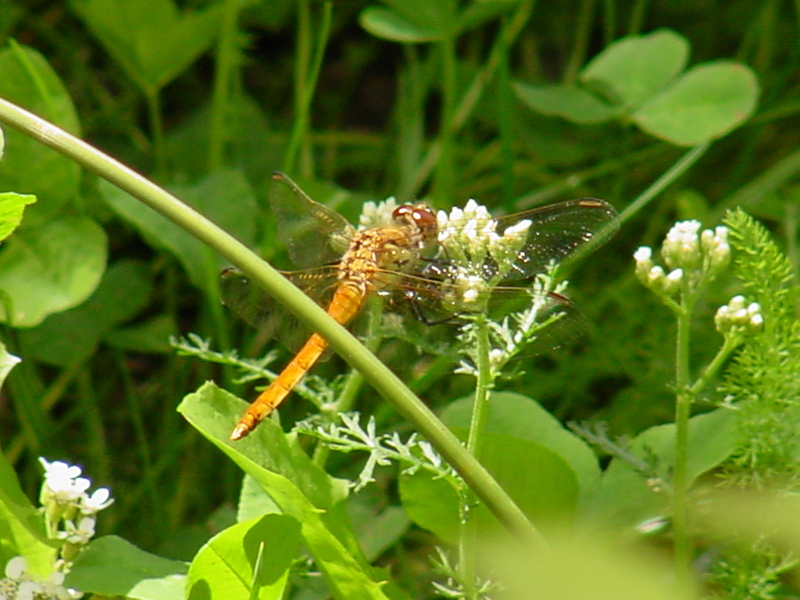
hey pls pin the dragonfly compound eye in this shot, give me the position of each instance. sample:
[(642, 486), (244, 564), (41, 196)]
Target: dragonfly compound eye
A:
[(420, 215)]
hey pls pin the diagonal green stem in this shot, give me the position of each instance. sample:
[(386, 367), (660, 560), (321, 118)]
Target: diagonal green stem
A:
[(376, 373), (678, 169)]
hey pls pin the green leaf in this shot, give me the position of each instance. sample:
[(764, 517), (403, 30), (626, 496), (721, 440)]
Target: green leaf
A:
[(224, 197), (254, 501), (111, 566), (376, 531), (74, 335), (224, 567), (31, 167), (541, 465), (569, 102), (624, 497), (705, 103), (432, 503), (298, 486), (518, 416), (50, 269), (152, 41), (477, 13), (7, 362), (388, 25), (12, 206), (22, 531), (635, 68)]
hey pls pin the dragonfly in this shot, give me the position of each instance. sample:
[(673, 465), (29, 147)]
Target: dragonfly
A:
[(342, 266)]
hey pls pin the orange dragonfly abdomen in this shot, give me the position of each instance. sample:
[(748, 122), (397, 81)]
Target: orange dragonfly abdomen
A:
[(345, 304)]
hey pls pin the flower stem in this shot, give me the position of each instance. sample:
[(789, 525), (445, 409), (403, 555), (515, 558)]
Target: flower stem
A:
[(680, 479), (480, 411)]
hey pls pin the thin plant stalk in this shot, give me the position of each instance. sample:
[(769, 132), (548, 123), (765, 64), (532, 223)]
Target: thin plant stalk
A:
[(306, 76), (224, 83), (157, 130), (444, 177), (674, 172), (511, 29), (468, 540), (683, 406)]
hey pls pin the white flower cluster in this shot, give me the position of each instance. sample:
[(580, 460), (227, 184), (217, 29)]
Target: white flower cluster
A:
[(19, 585), (64, 499), (69, 517), (691, 258), (737, 315), (377, 214), (480, 256)]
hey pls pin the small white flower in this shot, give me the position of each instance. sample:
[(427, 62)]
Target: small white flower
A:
[(377, 214), (681, 247), (80, 534), (99, 500), (29, 590), (16, 567), (656, 274), (653, 525), (738, 316), (643, 254)]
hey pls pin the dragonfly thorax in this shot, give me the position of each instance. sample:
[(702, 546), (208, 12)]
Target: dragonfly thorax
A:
[(389, 248)]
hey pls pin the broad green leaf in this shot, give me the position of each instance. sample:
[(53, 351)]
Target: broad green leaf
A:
[(28, 165), (518, 416), (541, 465), (224, 197), (624, 497), (706, 103), (432, 503), (74, 335), (635, 68), (111, 566), (569, 102), (298, 486), (437, 15), (254, 501), (152, 41), (7, 362), (224, 567), (12, 206), (388, 25), (476, 14), (22, 531), (376, 531), (50, 269)]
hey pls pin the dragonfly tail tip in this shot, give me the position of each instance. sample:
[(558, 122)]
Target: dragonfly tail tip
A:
[(239, 432)]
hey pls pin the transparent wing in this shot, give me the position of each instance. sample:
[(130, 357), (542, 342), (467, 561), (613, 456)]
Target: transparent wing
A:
[(313, 233), (559, 233), (252, 304), (430, 325)]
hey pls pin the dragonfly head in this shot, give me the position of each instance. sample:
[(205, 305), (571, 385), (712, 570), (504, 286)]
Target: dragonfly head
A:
[(420, 216)]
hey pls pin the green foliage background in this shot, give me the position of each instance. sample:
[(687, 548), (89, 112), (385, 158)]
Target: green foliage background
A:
[(209, 98)]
